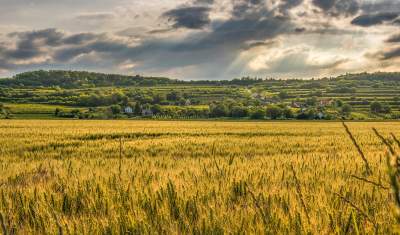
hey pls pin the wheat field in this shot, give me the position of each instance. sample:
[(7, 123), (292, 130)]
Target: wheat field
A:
[(166, 177)]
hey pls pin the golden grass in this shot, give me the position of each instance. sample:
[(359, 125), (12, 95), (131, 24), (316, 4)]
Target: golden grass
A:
[(194, 177)]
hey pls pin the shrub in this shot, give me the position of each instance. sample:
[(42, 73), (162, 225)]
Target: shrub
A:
[(283, 95), (347, 109), (219, 110), (312, 101), (239, 111), (376, 107), (288, 113), (258, 114), (274, 112), (115, 109)]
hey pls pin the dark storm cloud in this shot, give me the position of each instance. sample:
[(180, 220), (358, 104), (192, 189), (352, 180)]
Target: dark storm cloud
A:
[(160, 31), (32, 44), (374, 19), (79, 38), (286, 5), (50, 36), (67, 54), (95, 16), (391, 54), (25, 50), (393, 39), (324, 4), (300, 30), (101, 44), (257, 44), (338, 7), (29, 44), (195, 17), (380, 6), (200, 2), (4, 64), (244, 8)]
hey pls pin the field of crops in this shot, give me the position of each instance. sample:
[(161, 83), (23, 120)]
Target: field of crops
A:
[(149, 177)]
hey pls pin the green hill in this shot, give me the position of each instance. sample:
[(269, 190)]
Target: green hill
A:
[(79, 79), (96, 95)]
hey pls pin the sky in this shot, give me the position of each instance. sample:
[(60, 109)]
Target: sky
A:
[(201, 39)]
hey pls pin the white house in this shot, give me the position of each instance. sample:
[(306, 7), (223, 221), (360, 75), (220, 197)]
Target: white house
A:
[(296, 105), (325, 102), (128, 110)]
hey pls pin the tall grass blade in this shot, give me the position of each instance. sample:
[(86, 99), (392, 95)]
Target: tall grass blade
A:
[(300, 194), (368, 170)]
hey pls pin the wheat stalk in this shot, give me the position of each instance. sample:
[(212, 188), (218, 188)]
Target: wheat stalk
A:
[(368, 170), (258, 206), (384, 141), (395, 139), (3, 225), (362, 212), (300, 194), (369, 181), (214, 158), (393, 161)]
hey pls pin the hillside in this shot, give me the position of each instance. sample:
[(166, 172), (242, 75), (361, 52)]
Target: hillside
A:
[(77, 79), (77, 94), (80, 79)]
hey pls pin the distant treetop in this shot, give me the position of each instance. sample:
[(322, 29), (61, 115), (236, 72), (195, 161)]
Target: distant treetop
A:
[(81, 79)]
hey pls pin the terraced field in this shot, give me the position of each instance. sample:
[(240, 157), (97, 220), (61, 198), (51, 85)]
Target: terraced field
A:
[(89, 177)]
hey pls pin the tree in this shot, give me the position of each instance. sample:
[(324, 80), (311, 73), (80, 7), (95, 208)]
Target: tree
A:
[(376, 107), (288, 113), (339, 103), (386, 109), (146, 99), (258, 114), (156, 109), (219, 110), (308, 114), (239, 111), (125, 100), (159, 98), (93, 100), (343, 89), (117, 97), (396, 99), (3, 111), (312, 101), (347, 109), (316, 93), (283, 95), (273, 112), (138, 109), (173, 96), (57, 111), (182, 101), (115, 109)]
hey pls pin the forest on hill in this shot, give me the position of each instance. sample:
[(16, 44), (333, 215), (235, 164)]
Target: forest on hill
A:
[(79, 79), (86, 95)]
